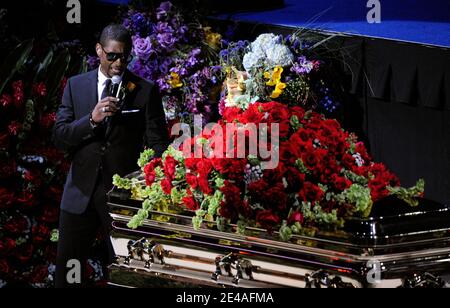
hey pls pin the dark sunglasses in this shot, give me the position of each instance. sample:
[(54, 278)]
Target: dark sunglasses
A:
[(114, 56)]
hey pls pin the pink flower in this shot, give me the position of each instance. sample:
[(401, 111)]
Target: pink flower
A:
[(6, 100), (14, 128), (40, 89)]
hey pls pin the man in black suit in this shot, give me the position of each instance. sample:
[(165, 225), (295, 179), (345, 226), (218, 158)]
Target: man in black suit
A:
[(105, 136)]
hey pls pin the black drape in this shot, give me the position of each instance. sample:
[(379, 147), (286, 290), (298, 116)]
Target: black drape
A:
[(401, 103)]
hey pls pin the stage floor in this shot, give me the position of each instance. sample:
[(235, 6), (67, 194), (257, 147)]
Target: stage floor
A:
[(418, 21)]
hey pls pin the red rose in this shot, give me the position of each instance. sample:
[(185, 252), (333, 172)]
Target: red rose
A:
[(18, 95), (232, 201), (267, 220), (278, 113), (6, 100), (191, 203), (6, 245), (295, 179), (310, 193), (24, 252), (149, 171), (230, 114), (14, 128), (191, 180), (48, 120), (166, 186), (50, 214), (204, 185), (252, 115), (191, 163), (54, 193), (295, 216), (169, 167), (50, 253), (17, 225), (26, 199), (40, 89), (40, 233), (299, 112), (340, 183), (245, 209), (6, 198), (275, 197), (256, 190), (150, 177), (40, 274), (4, 268)]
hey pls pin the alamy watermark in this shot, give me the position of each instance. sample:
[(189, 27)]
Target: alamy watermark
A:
[(73, 275), (374, 14), (373, 275), (74, 14)]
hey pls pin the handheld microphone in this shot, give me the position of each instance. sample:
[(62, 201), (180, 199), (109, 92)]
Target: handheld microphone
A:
[(114, 92), (114, 88)]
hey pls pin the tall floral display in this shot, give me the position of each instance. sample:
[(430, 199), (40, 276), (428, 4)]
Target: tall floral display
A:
[(32, 171), (180, 56)]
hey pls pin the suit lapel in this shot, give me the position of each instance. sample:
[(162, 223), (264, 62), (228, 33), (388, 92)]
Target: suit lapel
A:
[(92, 89)]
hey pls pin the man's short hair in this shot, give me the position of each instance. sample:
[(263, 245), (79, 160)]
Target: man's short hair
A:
[(115, 32)]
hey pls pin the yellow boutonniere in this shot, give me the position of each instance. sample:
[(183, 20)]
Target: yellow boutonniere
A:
[(131, 86)]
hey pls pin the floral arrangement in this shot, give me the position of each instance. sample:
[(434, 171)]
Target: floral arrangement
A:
[(32, 171), (180, 56), (275, 67), (323, 175)]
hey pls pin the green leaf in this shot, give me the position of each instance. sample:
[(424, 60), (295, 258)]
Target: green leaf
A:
[(409, 195), (43, 67), (56, 74), (14, 61)]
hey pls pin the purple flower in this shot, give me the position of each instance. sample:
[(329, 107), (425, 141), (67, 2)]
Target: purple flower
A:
[(303, 66), (138, 23), (92, 62), (166, 40), (142, 47), (163, 10), (162, 27)]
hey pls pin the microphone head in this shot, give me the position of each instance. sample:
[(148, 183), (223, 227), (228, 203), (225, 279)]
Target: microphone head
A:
[(116, 79)]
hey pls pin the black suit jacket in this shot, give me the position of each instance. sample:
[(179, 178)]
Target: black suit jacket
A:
[(96, 151)]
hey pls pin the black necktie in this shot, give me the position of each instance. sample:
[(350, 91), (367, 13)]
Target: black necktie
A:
[(105, 92)]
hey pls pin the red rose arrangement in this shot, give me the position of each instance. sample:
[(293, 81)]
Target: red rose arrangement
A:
[(323, 174)]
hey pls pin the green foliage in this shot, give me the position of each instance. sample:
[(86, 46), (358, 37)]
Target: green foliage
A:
[(14, 62), (409, 195), (121, 183), (145, 158), (55, 75), (361, 198)]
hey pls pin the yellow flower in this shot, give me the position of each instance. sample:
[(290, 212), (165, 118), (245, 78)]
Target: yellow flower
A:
[(278, 90), (212, 38), (174, 80), (275, 78), (131, 86)]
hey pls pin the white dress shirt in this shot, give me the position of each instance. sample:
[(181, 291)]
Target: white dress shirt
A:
[(101, 82)]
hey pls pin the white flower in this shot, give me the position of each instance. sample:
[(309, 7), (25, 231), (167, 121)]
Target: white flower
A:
[(265, 41), (279, 55), (267, 51), (252, 60), (358, 159)]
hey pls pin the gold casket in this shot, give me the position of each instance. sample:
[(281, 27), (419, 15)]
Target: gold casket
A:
[(397, 246)]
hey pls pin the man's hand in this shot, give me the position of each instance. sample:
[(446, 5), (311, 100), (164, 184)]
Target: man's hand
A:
[(104, 108)]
